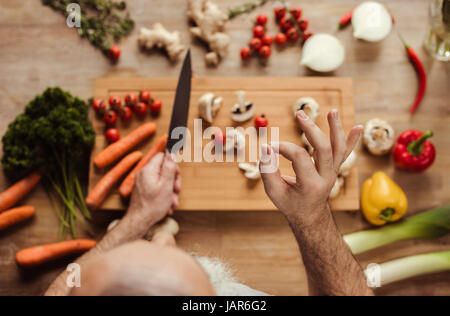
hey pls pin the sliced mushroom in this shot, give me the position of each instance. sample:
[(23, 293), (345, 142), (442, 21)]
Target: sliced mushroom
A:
[(309, 106), (348, 164), (243, 110), (378, 137), (209, 105), (337, 187), (234, 140), (251, 170)]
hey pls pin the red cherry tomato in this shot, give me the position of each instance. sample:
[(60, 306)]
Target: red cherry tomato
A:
[(125, 113), (307, 35), (279, 12), (98, 105), (145, 96), (219, 138), (302, 24), (265, 52), (246, 53), (262, 19), (115, 102), (258, 31), (114, 53), (156, 106), (281, 39), (130, 100), (296, 12), (141, 109), (261, 121), (110, 117), (292, 34), (267, 40), (286, 23), (255, 44), (112, 135)]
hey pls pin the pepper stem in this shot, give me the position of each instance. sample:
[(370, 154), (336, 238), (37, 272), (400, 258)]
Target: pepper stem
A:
[(386, 215), (415, 147)]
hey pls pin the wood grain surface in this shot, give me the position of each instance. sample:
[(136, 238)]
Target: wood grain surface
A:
[(221, 186), (37, 50)]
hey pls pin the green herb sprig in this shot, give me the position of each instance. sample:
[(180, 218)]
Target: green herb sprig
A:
[(245, 8)]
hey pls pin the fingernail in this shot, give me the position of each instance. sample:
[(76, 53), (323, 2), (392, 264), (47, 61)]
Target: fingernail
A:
[(335, 114), (275, 146), (302, 115)]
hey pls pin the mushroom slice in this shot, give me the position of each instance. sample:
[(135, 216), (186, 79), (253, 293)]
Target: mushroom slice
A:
[(234, 140), (337, 187), (309, 106), (348, 164), (251, 170), (243, 110), (209, 105), (378, 137)]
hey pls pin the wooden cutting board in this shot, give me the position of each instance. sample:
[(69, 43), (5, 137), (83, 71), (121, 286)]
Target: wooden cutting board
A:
[(222, 186)]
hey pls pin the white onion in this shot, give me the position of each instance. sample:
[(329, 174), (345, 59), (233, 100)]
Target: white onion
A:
[(371, 21), (323, 53)]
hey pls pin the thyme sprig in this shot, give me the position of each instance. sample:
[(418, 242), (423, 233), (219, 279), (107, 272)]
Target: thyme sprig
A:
[(245, 8)]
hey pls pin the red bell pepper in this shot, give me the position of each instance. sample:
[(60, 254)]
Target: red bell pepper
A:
[(413, 151)]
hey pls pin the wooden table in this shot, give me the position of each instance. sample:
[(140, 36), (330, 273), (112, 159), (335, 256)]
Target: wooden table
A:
[(37, 51)]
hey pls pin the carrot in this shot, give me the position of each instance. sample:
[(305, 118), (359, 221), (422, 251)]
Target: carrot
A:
[(114, 151), (15, 215), (17, 191), (127, 185), (35, 256), (101, 190)]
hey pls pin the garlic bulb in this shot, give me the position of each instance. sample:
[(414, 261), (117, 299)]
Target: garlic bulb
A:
[(323, 53), (378, 137), (371, 21), (209, 105)]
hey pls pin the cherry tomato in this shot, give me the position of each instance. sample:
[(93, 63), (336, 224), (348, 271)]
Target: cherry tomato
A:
[(112, 135), (141, 109), (262, 19), (267, 40), (155, 106), (246, 53), (307, 35), (258, 31), (130, 100), (286, 23), (261, 121), (281, 39), (292, 34), (115, 102), (302, 24), (296, 12), (219, 138), (255, 44), (265, 52), (279, 12), (110, 117), (114, 53), (125, 113), (98, 105), (145, 96)]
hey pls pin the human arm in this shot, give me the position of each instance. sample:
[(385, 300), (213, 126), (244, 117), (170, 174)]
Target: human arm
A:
[(329, 263), (155, 195)]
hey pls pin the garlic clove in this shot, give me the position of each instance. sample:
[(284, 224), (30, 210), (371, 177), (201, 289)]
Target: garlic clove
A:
[(323, 53), (371, 21)]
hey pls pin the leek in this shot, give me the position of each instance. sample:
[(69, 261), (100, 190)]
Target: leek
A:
[(393, 271), (428, 225)]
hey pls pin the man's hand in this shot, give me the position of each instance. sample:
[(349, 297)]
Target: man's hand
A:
[(155, 194), (306, 196)]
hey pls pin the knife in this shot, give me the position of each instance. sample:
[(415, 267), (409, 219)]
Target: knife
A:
[(180, 112)]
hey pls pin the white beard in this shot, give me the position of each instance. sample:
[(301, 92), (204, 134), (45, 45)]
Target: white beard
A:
[(222, 279)]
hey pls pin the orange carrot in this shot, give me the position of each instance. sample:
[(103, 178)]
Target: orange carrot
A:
[(127, 185), (35, 256), (101, 190), (16, 192), (15, 215), (114, 151)]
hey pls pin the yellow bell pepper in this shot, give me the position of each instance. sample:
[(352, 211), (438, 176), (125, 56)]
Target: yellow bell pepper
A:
[(382, 200)]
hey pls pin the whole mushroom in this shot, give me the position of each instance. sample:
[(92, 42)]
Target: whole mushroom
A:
[(309, 105), (209, 105), (243, 110), (378, 137)]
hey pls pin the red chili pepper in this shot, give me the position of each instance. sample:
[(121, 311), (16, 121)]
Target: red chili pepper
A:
[(413, 152), (422, 76), (345, 20)]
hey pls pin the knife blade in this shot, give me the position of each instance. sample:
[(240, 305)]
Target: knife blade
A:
[(180, 112)]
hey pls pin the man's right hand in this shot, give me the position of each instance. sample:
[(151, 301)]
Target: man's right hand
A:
[(305, 197)]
